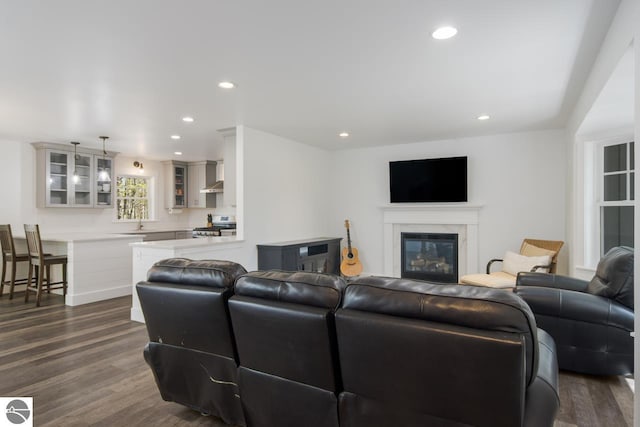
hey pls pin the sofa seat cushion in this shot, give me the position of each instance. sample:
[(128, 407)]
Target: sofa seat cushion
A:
[(497, 279)]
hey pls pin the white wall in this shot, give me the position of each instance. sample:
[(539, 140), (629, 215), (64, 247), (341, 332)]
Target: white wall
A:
[(286, 187), (11, 190), (518, 178)]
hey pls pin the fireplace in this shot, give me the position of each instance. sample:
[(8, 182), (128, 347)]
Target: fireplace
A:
[(429, 256)]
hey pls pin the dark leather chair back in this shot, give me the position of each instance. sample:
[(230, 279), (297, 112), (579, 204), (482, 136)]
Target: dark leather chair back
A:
[(614, 276), (415, 353), (283, 323), (192, 350)]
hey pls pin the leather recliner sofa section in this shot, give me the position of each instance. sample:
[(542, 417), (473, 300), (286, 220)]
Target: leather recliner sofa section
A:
[(590, 321), (415, 353), (192, 349), (305, 349), (284, 327)]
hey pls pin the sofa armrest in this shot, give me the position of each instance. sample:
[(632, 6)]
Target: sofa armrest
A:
[(491, 262), (543, 398), (566, 304), (551, 281)]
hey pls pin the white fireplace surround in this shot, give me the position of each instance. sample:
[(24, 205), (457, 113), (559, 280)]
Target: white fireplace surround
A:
[(460, 219)]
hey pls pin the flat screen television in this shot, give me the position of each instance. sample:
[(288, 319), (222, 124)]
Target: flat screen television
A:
[(428, 180)]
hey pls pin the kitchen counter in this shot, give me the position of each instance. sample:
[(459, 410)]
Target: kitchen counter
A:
[(156, 230), (145, 254), (98, 264), (187, 243)]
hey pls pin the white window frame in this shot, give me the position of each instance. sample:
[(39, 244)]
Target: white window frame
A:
[(150, 198), (596, 250)]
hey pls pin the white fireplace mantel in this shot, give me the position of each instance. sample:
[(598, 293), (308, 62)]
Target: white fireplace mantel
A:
[(461, 219)]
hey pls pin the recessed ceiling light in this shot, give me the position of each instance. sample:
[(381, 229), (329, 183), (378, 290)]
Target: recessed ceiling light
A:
[(343, 134), (226, 85), (178, 153), (175, 136), (187, 119), (444, 33), (484, 117)]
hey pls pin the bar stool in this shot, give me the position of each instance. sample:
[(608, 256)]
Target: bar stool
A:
[(41, 263), (9, 257)]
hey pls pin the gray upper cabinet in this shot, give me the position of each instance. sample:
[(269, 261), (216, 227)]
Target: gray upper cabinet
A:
[(175, 175), (201, 175), (68, 179)]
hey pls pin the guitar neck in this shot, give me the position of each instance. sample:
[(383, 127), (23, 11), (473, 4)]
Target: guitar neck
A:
[(348, 240)]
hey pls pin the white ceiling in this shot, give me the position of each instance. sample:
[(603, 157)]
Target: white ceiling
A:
[(72, 70)]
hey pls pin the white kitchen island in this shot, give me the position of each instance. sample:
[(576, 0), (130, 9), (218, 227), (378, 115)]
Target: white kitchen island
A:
[(98, 265), (145, 254)]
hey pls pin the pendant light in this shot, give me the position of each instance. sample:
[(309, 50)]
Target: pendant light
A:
[(103, 175), (76, 177)]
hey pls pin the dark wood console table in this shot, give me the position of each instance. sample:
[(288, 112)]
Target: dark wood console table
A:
[(321, 255)]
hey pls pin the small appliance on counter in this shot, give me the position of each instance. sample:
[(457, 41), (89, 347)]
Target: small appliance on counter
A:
[(221, 225)]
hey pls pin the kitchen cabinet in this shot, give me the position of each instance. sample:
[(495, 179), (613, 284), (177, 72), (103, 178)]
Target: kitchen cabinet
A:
[(175, 175), (201, 175), (104, 187), (68, 179)]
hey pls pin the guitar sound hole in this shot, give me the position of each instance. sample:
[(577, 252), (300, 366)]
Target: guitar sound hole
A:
[(350, 255)]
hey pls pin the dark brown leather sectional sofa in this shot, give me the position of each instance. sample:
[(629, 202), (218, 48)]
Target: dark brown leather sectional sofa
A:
[(273, 348)]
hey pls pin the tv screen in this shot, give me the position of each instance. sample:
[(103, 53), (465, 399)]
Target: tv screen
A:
[(428, 180)]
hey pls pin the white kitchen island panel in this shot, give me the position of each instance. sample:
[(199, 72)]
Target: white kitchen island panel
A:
[(98, 265), (145, 254)]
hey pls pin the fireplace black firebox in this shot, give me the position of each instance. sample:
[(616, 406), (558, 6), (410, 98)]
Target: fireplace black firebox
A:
[(430, 256)]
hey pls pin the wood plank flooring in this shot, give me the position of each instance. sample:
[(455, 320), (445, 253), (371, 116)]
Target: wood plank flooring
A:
[(84, 367)]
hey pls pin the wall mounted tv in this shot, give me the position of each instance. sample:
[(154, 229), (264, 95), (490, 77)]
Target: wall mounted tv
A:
[(428, 180)]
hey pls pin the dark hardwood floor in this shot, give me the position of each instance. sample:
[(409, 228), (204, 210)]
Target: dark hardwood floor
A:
[(83, 366)]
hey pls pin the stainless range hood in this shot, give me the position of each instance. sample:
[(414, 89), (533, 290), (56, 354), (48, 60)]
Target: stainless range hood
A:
[(214, 178), (217, 187)]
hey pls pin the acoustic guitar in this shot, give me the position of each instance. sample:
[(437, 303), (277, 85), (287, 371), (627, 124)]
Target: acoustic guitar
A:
[(350, 265)]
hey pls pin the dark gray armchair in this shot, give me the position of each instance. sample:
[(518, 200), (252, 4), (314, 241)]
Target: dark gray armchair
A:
[(590, 321)]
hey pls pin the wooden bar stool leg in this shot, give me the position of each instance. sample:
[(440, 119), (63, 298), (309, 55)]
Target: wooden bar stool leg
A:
[(13, 279), (64, 279), (4, 273), (29, 280), (41, 273), (48, 279)]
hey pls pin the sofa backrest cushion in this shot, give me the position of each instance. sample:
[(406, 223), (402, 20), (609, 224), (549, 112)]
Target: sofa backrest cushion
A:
[(184, 303), (283, 323), (212, 273), (474, 307), (312, 289), (614, 276)]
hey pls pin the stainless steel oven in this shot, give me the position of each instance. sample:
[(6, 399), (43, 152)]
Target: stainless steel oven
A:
[(222, 225)]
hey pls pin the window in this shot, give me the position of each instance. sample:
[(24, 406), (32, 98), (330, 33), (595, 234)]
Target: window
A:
[(616, 196), (132, 198)]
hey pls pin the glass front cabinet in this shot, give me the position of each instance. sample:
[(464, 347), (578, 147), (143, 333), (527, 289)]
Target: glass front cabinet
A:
[(104, 187), (68, 179), (176, 184)]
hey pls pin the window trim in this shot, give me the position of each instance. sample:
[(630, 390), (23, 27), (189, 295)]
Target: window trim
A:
[(150, 198), (595, 253)]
